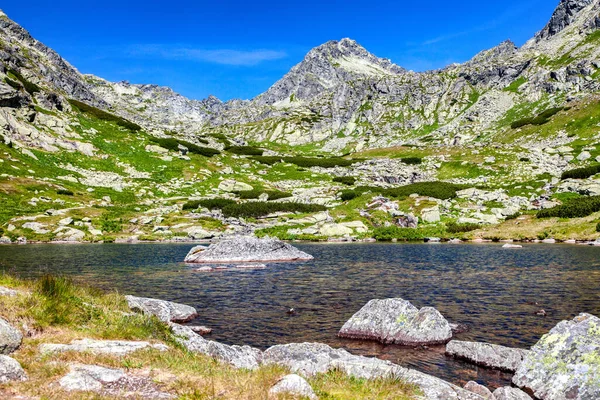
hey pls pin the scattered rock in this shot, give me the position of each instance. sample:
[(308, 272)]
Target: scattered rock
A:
[(166, 311), (431, 215), (10, 337), (510, 393), (11, 370), (246, 249), (115, 347), (487, 355), (229, 185), (512, 246), (200, 330), (397, 321), (564, 363), (481, 390), (295, 385)]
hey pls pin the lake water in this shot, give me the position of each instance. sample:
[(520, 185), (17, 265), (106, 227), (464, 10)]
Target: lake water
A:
[(494, 291)]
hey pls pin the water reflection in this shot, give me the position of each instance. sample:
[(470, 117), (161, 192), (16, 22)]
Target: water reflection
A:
[(494, 291)]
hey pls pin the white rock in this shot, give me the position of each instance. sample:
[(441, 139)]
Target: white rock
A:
[(295, 385)]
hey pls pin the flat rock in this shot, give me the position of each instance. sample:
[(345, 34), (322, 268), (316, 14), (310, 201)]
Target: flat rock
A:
[(295, 385), (308, 359), (200, 330), (4, 291), (481, 390), (245, 357), (10, 337), (166, 311), (246, 249), (110, 382), (512, 246), (487, 355), (397, 321), (115, 347), (564, 363), (510, 393), (11, 370)]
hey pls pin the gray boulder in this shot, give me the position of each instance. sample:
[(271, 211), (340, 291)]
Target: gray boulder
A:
[(481, 390), (295, 385), (487, 355), (239, 356), (166, 311), (397, 321), (510, 393), (246, 249), (10, 337), (11, 370), (309, 359), (115, 347), (564, 363)]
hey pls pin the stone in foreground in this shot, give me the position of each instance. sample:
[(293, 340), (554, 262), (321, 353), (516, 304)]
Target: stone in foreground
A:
[(309, 359), (397, 321), (481, 390), (246, 249), (565, 363), (245, 357), (10, 337), (510, 393), (295, 385), (11, 370), (166, 311), (115, 347), (487, 355)]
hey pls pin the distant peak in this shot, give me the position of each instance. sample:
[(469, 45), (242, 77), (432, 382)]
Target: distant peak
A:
[(564, 15)]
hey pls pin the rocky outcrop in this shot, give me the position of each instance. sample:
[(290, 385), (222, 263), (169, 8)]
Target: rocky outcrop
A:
[(11, 370), (114, 347), (487, 355), (166, 311), (510, 393), (397, 321), (239, 356), (563, 16), (308, 359), (564, 363), (10, 337), (293, 385), (246, 249)]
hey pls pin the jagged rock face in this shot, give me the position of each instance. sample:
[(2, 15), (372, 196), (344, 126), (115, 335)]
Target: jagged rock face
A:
[(563, 16)]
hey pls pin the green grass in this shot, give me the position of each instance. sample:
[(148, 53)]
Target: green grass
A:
[(515, 85), (30, 87), (104, 116), (540, 119), (461, 228)]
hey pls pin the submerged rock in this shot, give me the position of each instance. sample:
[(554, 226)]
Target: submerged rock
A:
[(10, 337), (309, 359), (116, 347), (239, 356), (11, 370), (512, 246), (246, 249), (510, 393), (295, 385), (487, 355), (166, 311), (397, 321), (564, 363)]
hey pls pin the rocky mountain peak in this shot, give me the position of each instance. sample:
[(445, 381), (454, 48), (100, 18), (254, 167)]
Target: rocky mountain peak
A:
[(564, 15)]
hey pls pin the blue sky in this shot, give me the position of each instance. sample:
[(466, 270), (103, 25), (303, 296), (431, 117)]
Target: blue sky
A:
[(237, 49)]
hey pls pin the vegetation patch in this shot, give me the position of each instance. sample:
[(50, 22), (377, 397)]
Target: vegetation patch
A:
[(258, 209), (438, 190), (307, 162), (211, 204), (581, 173), (461, 228), (173, 144), (412, 160), (395, 232), (245, 150), (256, 193), (105, 116), (540, 119), (576, 208), (346, 180), (30, 87), (64, 192)]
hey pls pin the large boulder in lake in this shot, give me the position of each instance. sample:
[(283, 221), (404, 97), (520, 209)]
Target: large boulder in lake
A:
[(166, 311), (397, 321), (10, 337), (565, 363), (487, 355), (246, 249)]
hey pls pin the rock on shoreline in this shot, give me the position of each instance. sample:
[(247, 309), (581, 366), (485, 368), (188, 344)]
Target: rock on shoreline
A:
[(246, 249), (397, 321), (166, 311), (487, 355)]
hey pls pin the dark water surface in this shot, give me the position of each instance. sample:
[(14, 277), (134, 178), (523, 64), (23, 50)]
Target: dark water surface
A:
[(492, 290)]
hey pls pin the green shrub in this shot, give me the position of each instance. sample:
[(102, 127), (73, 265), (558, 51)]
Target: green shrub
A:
[(245, 150), (346, 180), (540, 119), (30, 87), (598, 227), (167, 143), (524, 159), (258, 209), (581, 173), (191, 205), (438, 190), (412, 160), (13, 84), (576, 208), (222, 138), (65, 192), (108, 224), (307, 162), (348, 195), (461, 228), (105, 116), (214, 204), (513, 216), (173, 144), (255, 194)]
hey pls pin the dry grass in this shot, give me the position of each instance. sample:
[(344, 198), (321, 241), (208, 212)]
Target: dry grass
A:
[(53, 310)]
